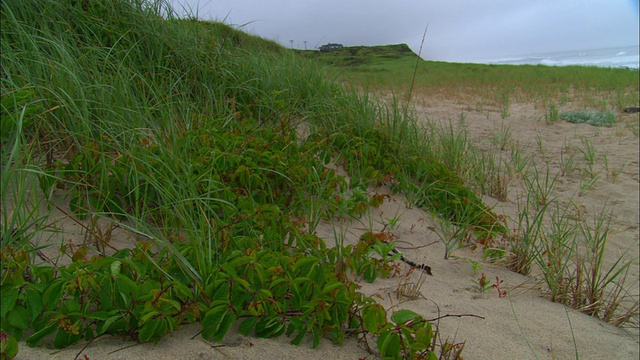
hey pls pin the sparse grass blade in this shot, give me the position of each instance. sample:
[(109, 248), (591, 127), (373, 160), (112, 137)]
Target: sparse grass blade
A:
[(556, 252), (540, 186), (451, 235), (529, 232), (598, 277)]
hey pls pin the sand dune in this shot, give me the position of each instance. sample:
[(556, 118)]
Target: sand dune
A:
[(524, 324)]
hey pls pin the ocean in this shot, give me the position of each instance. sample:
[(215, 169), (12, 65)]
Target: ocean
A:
[(619, 57)]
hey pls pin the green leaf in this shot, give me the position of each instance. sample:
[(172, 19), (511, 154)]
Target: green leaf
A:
[(174, 307), (34, 302), (100, 315), (34, 339), (115, 206), (182, 291), (277, 282), (53, 294), (88, 334), (268, 327), (403, 316), (71, 306), (213, 319), (8, 346), (244, 284), (147, 317), (115, 268), (423, 336), (374, 318), (43, 274), (153, 330), (370, 272), (303, 262), (64, 339), (8, 299), (316, 338), (332, 286), (19, 317), (222, 292), (107, 323), (228, 320), (298, 339), (246, 326), (337, 335), (389, 344), (243, 260)]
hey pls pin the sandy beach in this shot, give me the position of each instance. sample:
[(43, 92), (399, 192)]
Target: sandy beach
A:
[(522, 324)]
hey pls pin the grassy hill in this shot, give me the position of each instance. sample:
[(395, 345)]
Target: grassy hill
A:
[(361, 56)]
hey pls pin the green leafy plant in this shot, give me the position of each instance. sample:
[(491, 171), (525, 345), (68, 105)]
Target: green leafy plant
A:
[(407, 336), (483, 283), (213, 178), (8, 346), (476, 266), (381, 244)]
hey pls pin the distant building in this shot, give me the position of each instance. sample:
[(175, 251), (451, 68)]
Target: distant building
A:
[(331, 47)]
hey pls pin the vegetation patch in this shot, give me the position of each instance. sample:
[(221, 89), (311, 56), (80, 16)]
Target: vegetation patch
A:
[(591, 117), (356, 56)]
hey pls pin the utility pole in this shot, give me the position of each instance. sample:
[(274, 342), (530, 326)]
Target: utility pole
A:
[(291, 41), (305, 44)]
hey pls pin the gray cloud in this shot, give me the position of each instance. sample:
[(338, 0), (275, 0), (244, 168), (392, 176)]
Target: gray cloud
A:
[(458, 30)]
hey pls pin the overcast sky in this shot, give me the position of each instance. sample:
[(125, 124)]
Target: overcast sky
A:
[(459, 30)]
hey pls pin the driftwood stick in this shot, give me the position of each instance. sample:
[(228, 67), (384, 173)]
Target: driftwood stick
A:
[(456, 315)]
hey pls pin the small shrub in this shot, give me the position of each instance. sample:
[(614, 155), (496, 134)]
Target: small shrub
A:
[(591, 117)]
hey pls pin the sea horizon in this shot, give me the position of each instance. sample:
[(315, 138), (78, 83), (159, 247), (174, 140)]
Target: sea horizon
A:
[(615, 57)]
